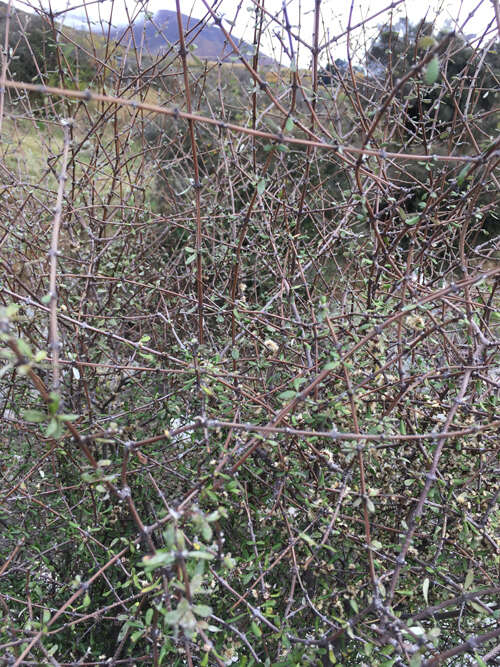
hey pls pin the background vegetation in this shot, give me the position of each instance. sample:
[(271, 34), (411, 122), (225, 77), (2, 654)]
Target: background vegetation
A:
[(249, 334)]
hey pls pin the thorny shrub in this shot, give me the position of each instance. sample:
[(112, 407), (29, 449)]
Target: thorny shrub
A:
[(249, 337)]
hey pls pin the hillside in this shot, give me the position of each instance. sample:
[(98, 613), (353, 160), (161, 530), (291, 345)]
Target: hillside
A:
[(30, 32), (160, 32)]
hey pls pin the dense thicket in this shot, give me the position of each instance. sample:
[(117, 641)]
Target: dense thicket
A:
[(249, 334)]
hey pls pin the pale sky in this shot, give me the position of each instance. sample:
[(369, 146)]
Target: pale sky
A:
[(334, 16)]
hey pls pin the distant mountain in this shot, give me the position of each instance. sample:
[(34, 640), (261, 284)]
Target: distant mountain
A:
[(160, 32)]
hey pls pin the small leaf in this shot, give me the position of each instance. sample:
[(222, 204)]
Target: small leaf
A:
[(425, 590), (201, 555), (52, 428), (196, 584), (308, 539), (68, 418), (24, 348), (289, 124), (469, 579), (261, 186), (202, 610), (173, 617), (34, 416), (255, 629), (11, 310), (235, 353), (426, 42), (463, 174), (330, 365), (206, 531), (135, 636), (432, 71), (160, 559), (287, 395), (54, 402)]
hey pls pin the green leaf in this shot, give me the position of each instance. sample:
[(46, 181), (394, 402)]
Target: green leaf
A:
[(68, 418), (330, 365), (11, 310), (289, 124), (201, 555), (432, 71), (235, 353), (202, 610), (425, 590), (135, 636), (160, 559), (287, 395), (477, 607), (261, 186), (463, 173), (469, 579), (24, 348), (34, 416), (52, 428), (308, 539), (206, 531), (255, 629), (54, 402), (173, 617), (196, 584), (426, 42)]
